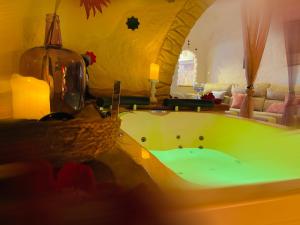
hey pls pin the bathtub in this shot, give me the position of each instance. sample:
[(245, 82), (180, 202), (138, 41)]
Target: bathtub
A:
[(271, 154)]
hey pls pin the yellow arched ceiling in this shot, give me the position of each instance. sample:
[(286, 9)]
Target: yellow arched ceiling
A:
[(122, 54)]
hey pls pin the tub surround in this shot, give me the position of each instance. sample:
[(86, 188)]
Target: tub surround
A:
[(213, 131)]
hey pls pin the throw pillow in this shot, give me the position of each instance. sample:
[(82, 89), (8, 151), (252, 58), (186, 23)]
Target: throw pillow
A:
[(237, 100), (276, 108), (219, 94)]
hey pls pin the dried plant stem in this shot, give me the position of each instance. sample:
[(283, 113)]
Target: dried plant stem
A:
[(57, 4)]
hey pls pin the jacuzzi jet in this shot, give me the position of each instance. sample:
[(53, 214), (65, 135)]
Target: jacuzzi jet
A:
[(200, 147), (178, 137), (143, 139), (201, 138), (180, 147)]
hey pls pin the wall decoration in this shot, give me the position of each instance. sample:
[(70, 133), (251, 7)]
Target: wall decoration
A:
[(89, 58), (93, 5), (133, 23)]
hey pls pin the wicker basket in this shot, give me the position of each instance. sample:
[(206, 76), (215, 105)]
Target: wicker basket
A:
[(76, 140)]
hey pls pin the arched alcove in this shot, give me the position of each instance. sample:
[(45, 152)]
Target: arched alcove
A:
[(175, 39), (185, 74), (187, 68)]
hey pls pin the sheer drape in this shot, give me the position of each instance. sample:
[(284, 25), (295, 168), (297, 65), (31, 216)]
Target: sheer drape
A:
[(256, 17), (292, 43)]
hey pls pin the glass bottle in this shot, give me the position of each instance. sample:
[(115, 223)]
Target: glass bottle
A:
[(63, 69)]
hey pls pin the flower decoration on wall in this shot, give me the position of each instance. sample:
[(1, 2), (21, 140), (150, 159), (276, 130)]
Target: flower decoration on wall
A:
[(94, 6), (90, 58), (133, 23)]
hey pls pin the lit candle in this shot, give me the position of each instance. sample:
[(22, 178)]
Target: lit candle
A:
[(154, 79), (154, 71), (30, 97)]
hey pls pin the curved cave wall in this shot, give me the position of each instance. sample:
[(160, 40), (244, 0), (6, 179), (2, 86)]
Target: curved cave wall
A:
[(122, 54)]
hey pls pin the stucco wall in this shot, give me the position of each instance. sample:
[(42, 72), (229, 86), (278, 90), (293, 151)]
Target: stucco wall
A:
[(122, 54)]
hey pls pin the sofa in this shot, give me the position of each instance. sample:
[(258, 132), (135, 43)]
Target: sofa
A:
[(265, 96), (268, 101)]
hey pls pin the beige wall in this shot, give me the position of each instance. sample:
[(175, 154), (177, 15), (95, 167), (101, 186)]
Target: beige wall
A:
[(218, 37)]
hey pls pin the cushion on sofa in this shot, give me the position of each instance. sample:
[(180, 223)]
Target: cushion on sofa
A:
[(268, 102), (227, 100), (219, 94), (260, 89), (276, 94), (209, 87), (285, 87), (258, 103), (276, 108), (237, 100), (238, 89)]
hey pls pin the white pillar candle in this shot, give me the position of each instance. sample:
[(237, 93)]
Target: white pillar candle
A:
[(30, 97), (154, 72)]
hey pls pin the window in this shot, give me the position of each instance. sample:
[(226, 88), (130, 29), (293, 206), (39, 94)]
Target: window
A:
[(187, 68)]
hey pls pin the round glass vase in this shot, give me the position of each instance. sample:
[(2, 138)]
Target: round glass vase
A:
[(199, 89), (64, 70)]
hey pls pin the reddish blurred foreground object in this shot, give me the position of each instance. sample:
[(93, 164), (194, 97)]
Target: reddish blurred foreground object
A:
[(42, 180), (76, 176), (95, 5), (75, 197)]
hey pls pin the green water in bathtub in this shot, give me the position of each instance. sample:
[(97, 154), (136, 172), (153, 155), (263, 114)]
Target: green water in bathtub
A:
[(214, 168)]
